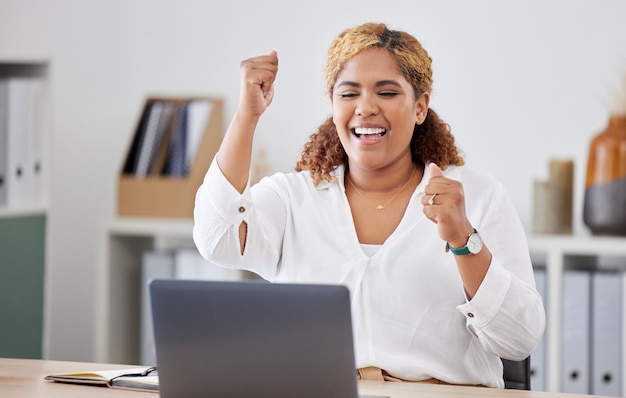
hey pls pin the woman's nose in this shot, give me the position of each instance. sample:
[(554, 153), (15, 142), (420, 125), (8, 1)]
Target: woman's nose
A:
[(366, 106)]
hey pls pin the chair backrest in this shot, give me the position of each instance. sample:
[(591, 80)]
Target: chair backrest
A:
[(516, 374)]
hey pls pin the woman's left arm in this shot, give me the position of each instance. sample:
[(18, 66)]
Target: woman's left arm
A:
[(503, 309), (506, 312)]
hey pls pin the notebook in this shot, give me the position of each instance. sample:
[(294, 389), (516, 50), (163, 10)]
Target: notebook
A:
[(252, 339)]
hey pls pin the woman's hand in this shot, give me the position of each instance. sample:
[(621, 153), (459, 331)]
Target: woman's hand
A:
[(444, 204), (257, 84), (256, 93)]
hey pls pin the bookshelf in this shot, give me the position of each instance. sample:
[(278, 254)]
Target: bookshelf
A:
[(126, 238), (558, 252), (23, 210), (119, 275), (154, 206)]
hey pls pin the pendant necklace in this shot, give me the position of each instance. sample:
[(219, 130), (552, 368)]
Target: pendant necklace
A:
[(380, 206)]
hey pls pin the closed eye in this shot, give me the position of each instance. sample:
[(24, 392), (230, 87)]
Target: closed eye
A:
[(389, 94)]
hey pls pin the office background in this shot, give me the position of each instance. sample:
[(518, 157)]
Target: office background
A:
[(520, 82)]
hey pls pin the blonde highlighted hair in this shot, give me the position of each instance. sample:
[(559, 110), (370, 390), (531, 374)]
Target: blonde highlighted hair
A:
[(432, 140)]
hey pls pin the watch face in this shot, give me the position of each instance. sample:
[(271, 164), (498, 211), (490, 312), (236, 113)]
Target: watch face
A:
[(474, 243)]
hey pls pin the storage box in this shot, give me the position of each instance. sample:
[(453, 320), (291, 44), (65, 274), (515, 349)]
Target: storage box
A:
[(154, 194)]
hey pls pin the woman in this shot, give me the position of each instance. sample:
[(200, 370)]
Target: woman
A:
[(370, 207)]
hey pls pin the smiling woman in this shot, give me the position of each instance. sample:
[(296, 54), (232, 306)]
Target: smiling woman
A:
[(382, 203), (410, 65), (371, 95)]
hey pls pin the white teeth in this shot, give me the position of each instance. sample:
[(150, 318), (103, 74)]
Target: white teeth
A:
[(368, 131)]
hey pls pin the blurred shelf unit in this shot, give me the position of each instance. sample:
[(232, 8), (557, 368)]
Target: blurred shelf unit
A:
[(23, 205), (118, 317), (171, 148), (556, 257)]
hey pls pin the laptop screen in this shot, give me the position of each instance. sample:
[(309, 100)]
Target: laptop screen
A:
[(252, 338)]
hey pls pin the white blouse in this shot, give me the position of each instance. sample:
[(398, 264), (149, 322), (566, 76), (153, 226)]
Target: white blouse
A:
[(410, 314)]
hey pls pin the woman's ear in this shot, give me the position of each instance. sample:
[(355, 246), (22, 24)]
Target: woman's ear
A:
[(421, 108)]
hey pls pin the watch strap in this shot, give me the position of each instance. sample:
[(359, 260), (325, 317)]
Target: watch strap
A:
[(460, 251)]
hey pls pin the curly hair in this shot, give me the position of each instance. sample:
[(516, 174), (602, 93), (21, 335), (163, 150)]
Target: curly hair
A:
[(432, 140)]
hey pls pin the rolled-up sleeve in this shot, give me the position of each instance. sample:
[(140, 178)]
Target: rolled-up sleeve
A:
[(506, 314), (218, 213)]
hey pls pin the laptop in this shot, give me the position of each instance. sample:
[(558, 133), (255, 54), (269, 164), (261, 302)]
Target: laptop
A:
[(252, 339)]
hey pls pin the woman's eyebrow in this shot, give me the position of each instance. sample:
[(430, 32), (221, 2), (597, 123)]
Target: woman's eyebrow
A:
[(348, 83), (378, 84), (388, 82)]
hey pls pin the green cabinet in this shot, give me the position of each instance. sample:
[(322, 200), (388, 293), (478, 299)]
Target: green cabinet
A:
[(22, 259)]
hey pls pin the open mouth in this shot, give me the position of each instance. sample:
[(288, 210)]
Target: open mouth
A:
[(369, 133)]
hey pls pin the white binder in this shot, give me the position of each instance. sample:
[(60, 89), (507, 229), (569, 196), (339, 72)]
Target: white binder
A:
[(576, 331), (606, 333), (4, 141), (18, 189), (21, 148), (35, 167), (199, 112), (538, 356)]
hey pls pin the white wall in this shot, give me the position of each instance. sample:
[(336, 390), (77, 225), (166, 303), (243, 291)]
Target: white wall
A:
[(519, 81)]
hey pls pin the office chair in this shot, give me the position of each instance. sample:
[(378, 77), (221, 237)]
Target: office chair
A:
[(516, 374)]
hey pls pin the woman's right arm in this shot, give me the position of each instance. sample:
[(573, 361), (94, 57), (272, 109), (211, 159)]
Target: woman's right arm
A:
[(256, 93)]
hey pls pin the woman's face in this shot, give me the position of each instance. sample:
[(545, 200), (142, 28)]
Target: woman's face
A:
[(375, 110)]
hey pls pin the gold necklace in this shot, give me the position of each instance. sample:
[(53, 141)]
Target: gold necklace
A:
[(381, 207)]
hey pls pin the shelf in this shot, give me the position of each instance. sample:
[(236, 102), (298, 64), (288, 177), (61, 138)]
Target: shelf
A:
[(578, 245), (23, 213), (125, 240), (8, 213), (560, 252), (15, 68), (141, 226)]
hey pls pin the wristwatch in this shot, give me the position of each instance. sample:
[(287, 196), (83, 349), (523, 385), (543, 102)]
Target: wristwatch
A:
[(473, 246)]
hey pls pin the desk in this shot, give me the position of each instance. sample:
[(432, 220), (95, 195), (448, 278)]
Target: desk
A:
[(24, 378)]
